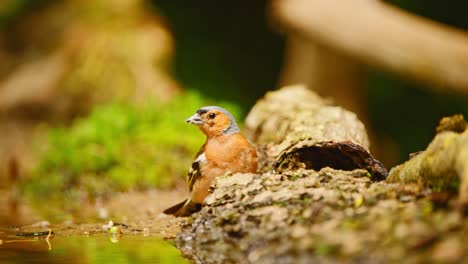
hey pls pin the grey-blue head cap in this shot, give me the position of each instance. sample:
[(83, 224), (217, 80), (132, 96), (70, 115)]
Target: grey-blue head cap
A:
[(231, 129)]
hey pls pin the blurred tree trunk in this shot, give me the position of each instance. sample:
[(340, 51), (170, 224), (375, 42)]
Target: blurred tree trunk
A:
[(325, 71), (378, 34)]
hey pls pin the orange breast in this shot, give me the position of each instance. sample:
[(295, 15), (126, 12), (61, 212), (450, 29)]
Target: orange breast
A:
[(232, 152), (224, 154)]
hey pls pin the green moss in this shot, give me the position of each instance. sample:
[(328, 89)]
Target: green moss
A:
[(325, 249), (279, 203), (294, 177), (121, 147)]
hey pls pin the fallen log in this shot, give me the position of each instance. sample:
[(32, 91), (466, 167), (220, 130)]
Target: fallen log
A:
[(296, 128)]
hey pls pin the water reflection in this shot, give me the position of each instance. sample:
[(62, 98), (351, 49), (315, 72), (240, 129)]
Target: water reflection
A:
[(132, 245), (82, 249)]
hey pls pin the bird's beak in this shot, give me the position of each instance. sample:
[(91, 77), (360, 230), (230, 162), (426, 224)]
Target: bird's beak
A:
[(195, 120)]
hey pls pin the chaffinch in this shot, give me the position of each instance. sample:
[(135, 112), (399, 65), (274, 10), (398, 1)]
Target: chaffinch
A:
[(225, 151)]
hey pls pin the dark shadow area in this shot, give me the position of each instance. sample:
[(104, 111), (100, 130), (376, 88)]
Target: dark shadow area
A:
[(224, 49), (338, 155)]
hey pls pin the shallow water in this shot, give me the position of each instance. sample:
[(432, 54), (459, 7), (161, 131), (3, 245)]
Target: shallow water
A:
[(82, 249), (85, 240)]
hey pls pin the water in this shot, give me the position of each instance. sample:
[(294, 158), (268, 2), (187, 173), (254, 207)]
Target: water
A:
[(69, 245), (82, 249)]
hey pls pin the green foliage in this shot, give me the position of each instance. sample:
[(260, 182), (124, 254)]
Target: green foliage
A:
[(120, 147)]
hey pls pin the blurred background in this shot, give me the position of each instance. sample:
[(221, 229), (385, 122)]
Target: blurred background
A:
[(93, 94)]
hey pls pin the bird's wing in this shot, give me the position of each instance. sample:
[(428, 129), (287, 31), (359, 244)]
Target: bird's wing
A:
[(195, 170)]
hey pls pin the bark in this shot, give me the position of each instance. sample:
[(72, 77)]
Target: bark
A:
[(329, 216), (294, 127), (444, 164)]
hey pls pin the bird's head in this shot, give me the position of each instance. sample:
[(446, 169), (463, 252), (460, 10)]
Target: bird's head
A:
[(214, 121)]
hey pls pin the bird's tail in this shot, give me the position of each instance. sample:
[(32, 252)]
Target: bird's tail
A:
[(185, 208)]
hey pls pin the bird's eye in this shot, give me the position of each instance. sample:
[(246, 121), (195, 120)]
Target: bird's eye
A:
[(212, 115)]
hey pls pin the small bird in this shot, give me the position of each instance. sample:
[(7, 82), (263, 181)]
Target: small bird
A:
[(225, 151)]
